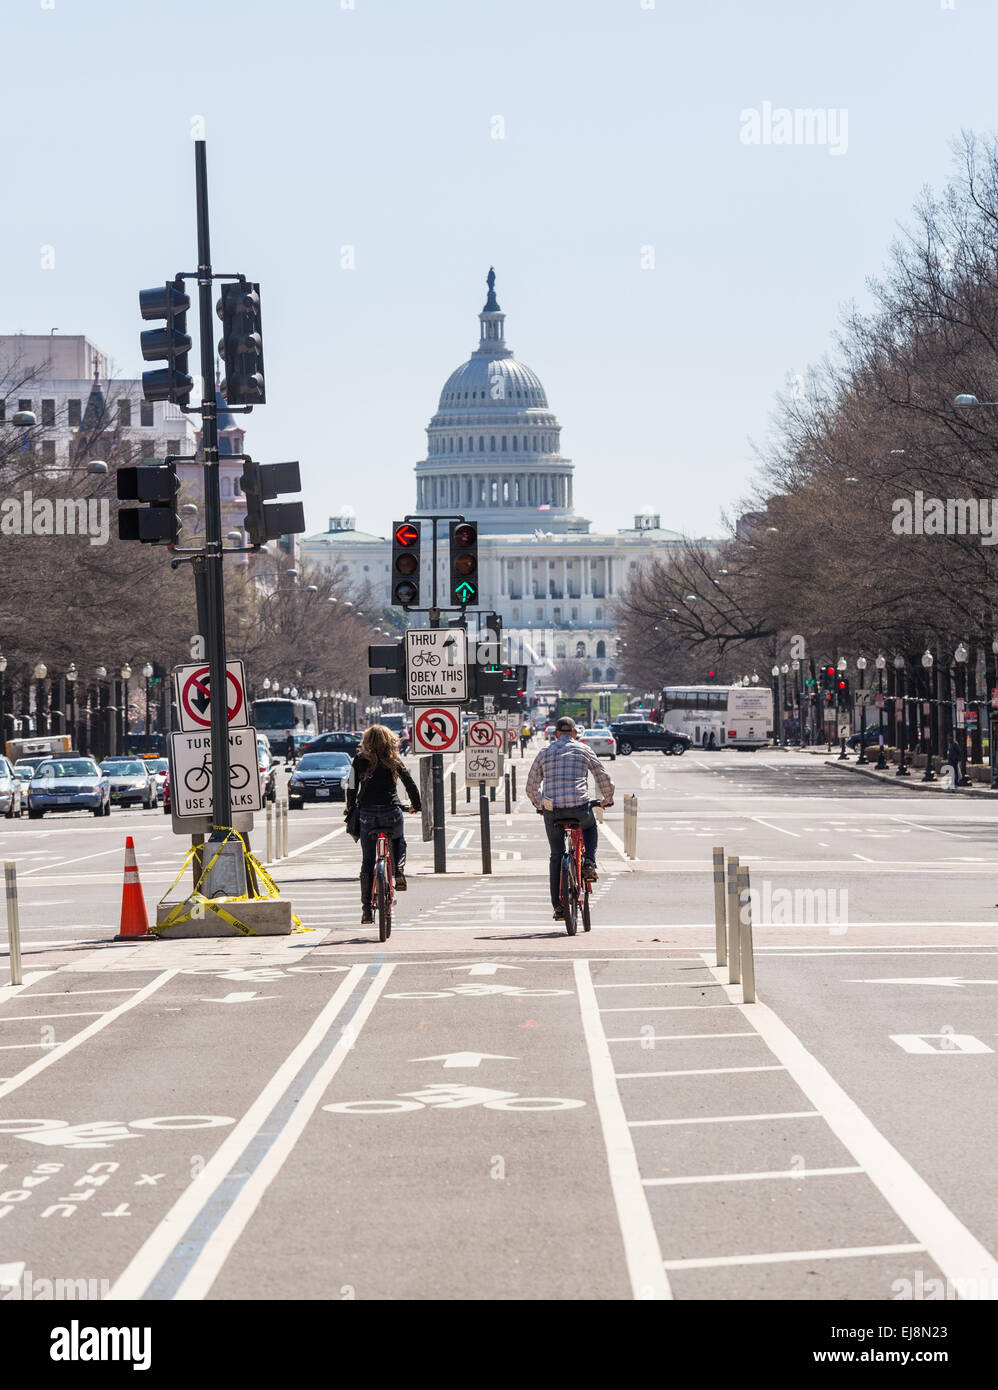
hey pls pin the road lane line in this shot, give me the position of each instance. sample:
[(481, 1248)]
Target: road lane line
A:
[(730, 1119), (312, 844), (56, 1054), (792, 1173), (695, 1071), (641, 1248), (31, 1018), (759, 821), (957, 1252), (61, 863), (783, 1256), (185, 1253), (680, 1037)]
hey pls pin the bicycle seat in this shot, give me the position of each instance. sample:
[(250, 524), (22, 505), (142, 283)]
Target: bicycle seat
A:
[(566, 822)]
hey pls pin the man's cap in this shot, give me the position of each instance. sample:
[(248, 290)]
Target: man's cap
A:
[(565, 725)]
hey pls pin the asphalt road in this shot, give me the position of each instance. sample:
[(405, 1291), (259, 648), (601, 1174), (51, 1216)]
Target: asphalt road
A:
[(484, 1108)]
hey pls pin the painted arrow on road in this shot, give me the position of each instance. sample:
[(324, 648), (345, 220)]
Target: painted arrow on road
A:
[(946, 981), (466, 1059), (239, 997), (485, 969)]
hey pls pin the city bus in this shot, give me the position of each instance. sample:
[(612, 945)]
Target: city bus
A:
[(720, 716), (276, 718)]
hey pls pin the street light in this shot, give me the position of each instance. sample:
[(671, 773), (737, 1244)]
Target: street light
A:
[(899, 685), (928, 776), (880, 663), (71, 675), (960, 657), (126, 676)]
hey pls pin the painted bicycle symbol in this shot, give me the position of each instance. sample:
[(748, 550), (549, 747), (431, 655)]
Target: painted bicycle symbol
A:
[(198, 779), (425, 658)]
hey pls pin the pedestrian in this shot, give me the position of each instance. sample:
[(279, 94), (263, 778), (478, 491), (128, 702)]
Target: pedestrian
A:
[(373, 789), (289, 750), (953, 758)]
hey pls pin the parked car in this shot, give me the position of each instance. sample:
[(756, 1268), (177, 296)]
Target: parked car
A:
[(336, 741), (319, 777), (642, 736), (601, 741), (131, 782), (24, 767), (68, 784), (871, 736), (11, 790), (158, 768)]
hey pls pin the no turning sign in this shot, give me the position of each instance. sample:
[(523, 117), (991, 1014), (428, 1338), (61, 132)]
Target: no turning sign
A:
[(194, 696), (437, 729), (482, 734)]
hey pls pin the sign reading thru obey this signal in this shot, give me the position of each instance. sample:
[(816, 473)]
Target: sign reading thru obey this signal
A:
[(194, 696), (436, 666), (437, 729)]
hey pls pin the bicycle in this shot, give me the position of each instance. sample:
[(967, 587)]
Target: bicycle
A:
[(383, 888), (575, 890)]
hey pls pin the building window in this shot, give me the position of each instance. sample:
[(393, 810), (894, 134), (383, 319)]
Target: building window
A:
[(559, 650), (504, 443), (24, 405), (514, 437), (611, 674), (74, 412), (540, 614), (600, 648), (580, 647), (471, 444), (48, 413), (568, 564), (146, 414), (575, 614), (226, 487), (516, 615), (492, 443), (481, 443), (148, 445), (124, 413), (48, 451), (596, 674), (599, 618)]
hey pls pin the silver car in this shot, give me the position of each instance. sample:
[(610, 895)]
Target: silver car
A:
[(131, 782), (11, 793)]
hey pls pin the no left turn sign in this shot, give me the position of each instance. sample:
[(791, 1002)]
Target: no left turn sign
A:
[(437, 729), (482, 734)]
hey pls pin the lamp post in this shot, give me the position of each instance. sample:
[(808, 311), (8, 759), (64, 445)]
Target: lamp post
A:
[(841, 666), (126, 675), (103, 715), (960, 657), (71, 675), (880, 664), (42, 714), (3, 703), (798, 700), (928, 661), (784, 672), (861, 668), (147, 671), (777, 701), (900, 720)]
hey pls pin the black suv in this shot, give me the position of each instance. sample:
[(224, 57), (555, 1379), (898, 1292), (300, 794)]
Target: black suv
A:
[(634, 736), (338, 741)]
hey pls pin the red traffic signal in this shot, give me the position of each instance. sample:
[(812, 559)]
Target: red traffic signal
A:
[(406, 535)]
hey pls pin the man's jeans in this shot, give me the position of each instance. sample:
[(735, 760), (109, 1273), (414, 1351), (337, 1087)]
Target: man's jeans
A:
[(556, 839)]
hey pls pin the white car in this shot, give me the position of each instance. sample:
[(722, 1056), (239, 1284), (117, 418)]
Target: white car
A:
[(601, 741)]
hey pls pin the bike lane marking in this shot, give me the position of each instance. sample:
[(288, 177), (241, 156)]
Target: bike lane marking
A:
[(57, 1053), (185, 1253), (641, 1247), (957, 1252)]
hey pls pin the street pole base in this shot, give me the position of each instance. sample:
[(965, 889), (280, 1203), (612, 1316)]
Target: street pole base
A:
[(226, 878)]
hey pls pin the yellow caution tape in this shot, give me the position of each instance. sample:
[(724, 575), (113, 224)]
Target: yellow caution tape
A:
[(196, 905)]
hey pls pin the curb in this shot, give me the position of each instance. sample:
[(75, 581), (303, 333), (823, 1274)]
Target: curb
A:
[(915, 785)]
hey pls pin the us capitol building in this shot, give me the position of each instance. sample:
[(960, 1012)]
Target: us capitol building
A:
[(494, 455)]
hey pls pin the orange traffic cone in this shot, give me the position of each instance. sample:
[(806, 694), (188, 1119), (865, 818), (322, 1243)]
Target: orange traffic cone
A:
[(134, 919)]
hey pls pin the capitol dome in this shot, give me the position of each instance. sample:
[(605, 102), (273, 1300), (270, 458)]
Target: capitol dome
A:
[(493, 444)]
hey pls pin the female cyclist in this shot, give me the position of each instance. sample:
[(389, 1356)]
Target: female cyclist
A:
[(377, 769)]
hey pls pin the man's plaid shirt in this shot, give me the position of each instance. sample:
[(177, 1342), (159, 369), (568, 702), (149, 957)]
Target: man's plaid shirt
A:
[(564, 767)]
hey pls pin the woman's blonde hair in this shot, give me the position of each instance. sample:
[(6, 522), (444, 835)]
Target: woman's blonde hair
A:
[(381, 749)]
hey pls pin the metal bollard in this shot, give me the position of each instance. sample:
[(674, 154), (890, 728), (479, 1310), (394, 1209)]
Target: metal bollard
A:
[(745, 936), (509, 800), (512, 773), (492, 792), (13, 922), (467, 793), (631, 826), (270, 832), (453, 791), (720, 926), (284, 828), (734, 942)]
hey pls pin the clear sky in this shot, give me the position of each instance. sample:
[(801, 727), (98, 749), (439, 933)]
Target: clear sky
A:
[(370, 124)]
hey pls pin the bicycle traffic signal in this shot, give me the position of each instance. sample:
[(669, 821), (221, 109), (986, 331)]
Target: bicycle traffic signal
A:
[(406, 537), (241, 344), (262, 481), (463, 563), (158, 485), (172, 342)]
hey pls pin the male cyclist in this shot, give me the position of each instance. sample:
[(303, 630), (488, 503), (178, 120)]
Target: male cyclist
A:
[(564, 767)]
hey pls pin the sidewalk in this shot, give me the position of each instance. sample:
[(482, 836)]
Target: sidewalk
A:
[(912, 783)]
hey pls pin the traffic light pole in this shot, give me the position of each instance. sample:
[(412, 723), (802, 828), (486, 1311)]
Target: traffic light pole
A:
[(214, 592)]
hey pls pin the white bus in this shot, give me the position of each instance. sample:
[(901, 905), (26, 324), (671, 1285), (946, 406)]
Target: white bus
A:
[(277, 718), (720, 716)]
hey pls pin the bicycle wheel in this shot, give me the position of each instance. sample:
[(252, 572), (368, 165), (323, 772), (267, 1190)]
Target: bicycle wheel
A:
[(384, 902), (569, 901), (587, 920)]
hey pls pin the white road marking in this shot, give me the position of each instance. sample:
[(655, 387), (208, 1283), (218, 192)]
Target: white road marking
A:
[(61, 863), (8, 991), (641, 1248), (31, 1018), (759, 821), (144, 1266), (953, 1044), (783, 1256), (56, 1054), (313, 844), (793, 1173), (679, 1037), (466, 1059), (695, 1071), (731, 1119), (957, 1252)]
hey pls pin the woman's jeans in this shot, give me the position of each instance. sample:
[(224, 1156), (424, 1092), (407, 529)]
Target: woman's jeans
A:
[(373, 821)]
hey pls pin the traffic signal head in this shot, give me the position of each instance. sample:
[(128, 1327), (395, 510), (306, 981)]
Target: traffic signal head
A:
[(406, 537), (261, 482), (241, 344), (157, 484), (463, 563), (172, 342)]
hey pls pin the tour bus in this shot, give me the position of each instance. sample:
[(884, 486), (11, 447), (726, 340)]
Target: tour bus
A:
[(276, 718), (720, 716)]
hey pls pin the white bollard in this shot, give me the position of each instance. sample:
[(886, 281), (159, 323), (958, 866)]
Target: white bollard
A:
[(720, 927), (13, 922), (270, 832), (734, 940), (284, 831), (746, 948)]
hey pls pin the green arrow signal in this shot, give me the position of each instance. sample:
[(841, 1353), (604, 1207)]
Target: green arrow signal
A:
[(464, 591)]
